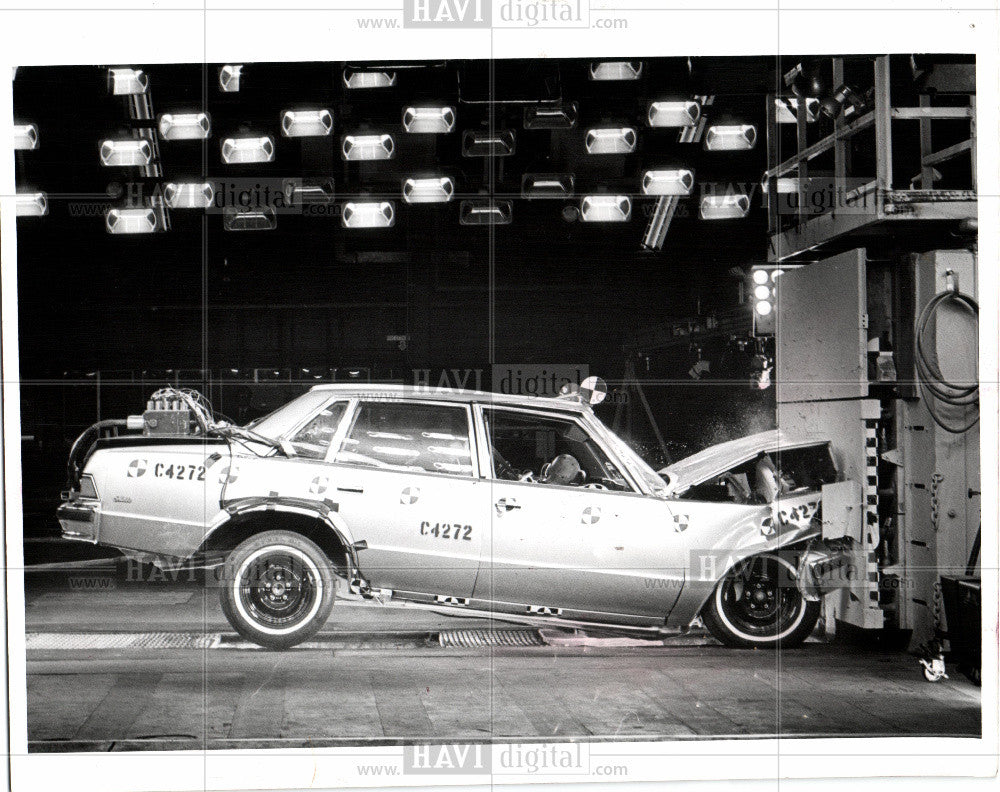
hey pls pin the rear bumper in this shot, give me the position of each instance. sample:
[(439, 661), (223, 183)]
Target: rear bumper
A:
[(80, 521)]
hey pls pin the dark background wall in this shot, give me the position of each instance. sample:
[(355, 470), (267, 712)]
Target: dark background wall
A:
[(313, 295)]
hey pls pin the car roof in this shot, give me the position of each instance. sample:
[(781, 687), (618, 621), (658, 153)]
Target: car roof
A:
[(717, 459), (433, 393)]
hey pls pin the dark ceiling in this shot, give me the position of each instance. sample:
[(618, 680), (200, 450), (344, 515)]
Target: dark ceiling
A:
[(94, 299)]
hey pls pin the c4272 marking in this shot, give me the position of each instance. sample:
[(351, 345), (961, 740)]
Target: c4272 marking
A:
[(446, 531), (179, 472)]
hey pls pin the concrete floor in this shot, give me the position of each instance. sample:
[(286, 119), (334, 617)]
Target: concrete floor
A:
[(378, 674)]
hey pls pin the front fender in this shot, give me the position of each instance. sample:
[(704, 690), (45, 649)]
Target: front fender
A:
[(714, 551)]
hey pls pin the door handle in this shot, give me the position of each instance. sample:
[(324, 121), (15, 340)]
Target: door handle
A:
[(506, 504)]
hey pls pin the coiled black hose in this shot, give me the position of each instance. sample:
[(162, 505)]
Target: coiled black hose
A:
[(934, 388), (76, 460)]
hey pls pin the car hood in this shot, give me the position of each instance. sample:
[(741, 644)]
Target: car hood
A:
[(717, 459)]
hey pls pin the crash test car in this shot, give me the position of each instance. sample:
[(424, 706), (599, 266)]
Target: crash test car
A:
[(523, 508)]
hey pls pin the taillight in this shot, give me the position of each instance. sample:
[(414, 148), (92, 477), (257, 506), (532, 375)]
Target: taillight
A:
[(87, 487)]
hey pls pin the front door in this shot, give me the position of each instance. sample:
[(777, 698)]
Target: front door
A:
[(571, 534)]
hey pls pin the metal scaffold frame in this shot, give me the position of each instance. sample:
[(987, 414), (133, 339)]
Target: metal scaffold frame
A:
[(874, 207)]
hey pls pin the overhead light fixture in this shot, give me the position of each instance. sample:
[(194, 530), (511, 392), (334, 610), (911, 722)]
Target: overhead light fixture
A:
[(306, 123), (674, 114), (185, 126), (265, 219), (737, 137), (659, 223), (188, 195), (547, 185), (126, 153), (605, 208), (131, 221), (432, 190), (616, 70), (25, 137), (562, 116), (356, 148), (362, 78), (31, 204), (724, 207), (667, 182), (603, 140), (368, 214), (786, 109), (428, 120), (246, 150), (229, 78), (309, 191), (127, 82), (477, 143), (486, 212)]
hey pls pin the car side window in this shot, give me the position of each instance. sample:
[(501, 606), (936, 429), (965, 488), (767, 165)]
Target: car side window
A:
[(433, 438), (313, 439), (548, 450)]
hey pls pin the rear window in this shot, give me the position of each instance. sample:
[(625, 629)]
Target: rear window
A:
[(286, 418)]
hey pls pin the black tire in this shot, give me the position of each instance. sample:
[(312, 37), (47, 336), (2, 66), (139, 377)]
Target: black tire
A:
[(277, 589), (758, 605)]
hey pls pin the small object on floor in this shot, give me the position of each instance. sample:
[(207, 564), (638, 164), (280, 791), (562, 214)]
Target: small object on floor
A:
[(933, 662)]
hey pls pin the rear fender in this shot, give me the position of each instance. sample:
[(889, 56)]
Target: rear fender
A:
[(324, 511)]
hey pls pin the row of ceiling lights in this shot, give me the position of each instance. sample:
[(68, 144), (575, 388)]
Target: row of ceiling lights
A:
[(382, 214), (418, 120)]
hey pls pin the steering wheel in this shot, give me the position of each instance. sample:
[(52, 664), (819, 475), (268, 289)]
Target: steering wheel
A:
[(504, 469)]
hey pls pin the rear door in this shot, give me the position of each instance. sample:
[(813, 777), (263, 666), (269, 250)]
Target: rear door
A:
[(407, 485)]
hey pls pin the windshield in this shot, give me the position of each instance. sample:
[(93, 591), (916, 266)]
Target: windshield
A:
[(286, 418), (635, 462)]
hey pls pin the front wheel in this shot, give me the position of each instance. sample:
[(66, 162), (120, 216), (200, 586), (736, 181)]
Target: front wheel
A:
[(278, 589), (758, 604)]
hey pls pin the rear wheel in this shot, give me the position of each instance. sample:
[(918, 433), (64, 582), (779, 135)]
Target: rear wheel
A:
[(759, 605), (278, 589)]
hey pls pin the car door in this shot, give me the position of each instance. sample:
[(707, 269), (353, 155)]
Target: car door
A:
[(408, 487), (594, 548)]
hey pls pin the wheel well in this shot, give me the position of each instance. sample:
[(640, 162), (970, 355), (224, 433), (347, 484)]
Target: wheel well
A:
[(242, 527), (791, 549)]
